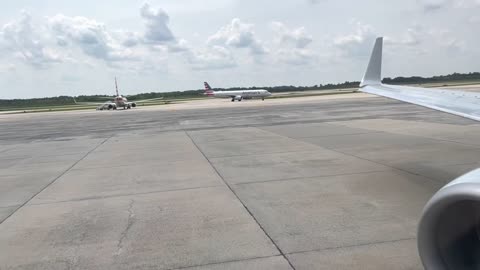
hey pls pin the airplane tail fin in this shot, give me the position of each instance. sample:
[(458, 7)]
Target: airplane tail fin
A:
[(208, 89), (116, 86), (373, 75)]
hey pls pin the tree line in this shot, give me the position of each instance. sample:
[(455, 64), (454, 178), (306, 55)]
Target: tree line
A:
[(68, 100), (472, 76)]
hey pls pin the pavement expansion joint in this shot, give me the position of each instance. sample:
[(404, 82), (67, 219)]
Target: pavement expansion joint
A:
[(309, 177), (224, 262), (353, 246), (55, 179), (365, 159), (127, 195), (238, 198)]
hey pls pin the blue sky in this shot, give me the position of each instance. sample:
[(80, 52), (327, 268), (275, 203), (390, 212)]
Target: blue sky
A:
[(53, 47)]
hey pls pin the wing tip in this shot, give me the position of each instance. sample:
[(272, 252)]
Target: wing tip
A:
[(373, 74)]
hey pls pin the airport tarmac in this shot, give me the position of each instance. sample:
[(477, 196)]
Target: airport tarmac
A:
[(333, 182)]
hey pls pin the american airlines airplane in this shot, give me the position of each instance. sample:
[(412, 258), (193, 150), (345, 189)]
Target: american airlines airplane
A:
[(449, 230), (118, 102), (237, 94)]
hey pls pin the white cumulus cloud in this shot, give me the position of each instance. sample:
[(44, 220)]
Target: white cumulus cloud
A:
[(28, 42), (91, 37), (238, 34), (207, 58), (413, 36), (297, 37), (358, 43), (216, 57), (156, 23), (292, 44)]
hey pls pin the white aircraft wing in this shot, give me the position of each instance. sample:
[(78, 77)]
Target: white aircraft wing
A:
[(465, 104), (146, 100), (111, 102), (449, 223), (91, 103), (106, 105)]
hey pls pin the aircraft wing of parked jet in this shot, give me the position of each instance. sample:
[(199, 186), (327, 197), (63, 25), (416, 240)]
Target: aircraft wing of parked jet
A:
[(112, 104), (111, 101), (466, 104)]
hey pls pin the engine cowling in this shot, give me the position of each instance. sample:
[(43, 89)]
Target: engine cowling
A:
[(449, 230), (134, 105)]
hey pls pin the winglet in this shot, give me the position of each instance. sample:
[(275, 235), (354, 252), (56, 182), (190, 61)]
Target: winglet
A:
[(373, 75)]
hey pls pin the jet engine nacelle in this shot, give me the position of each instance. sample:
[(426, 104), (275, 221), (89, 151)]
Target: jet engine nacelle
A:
[(449, 230), (134, 105), (239, 98)]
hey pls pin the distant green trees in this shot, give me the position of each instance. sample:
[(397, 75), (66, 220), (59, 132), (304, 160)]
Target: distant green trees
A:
[(36, 102), (92, 98), (472, 76), (67, 100)]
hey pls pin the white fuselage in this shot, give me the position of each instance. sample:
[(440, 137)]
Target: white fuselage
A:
[(261, 93), (120, 101)]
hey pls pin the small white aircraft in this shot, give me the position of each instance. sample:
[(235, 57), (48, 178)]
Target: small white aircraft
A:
[(449, 231), (237, 94), (118, 102)]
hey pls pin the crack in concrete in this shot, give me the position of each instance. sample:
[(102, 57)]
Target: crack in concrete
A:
[(130, 222)]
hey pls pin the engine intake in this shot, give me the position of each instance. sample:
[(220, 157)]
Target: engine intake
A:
[(449, 230)]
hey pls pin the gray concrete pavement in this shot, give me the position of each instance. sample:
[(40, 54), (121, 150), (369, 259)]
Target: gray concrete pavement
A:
[(6, 211), (334, 211), (375, 256), (297, 184), (158, 230)]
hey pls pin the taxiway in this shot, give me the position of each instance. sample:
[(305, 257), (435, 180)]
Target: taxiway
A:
[(333, 182)]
